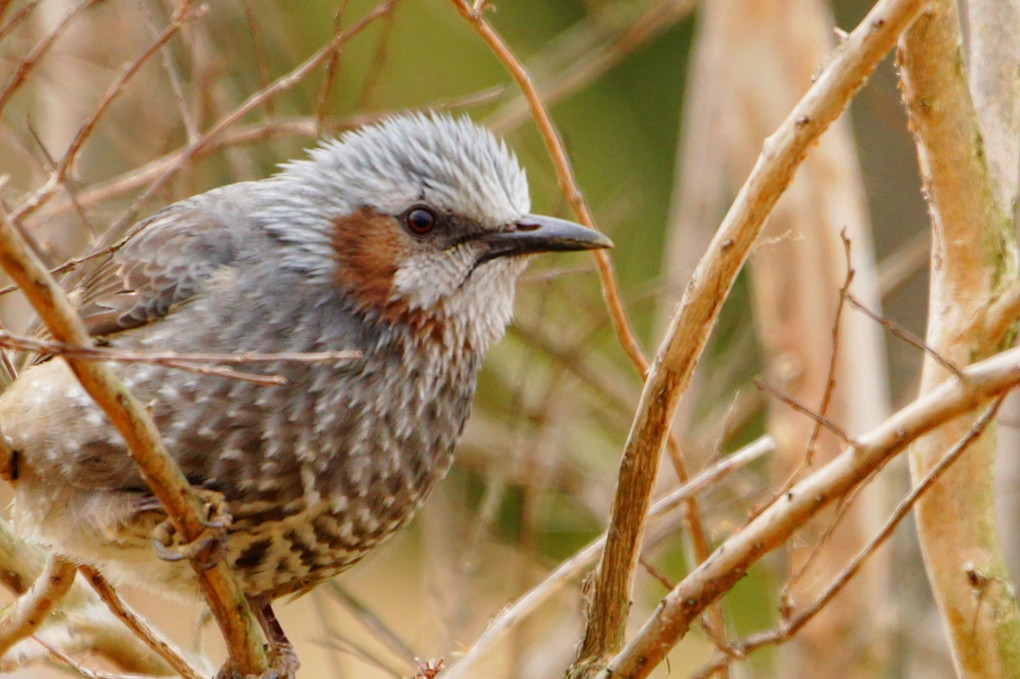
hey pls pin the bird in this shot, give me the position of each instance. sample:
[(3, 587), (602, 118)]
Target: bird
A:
[(401, 241)]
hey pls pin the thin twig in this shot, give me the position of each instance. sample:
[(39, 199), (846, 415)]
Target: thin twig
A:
[(174, 79), (332, 66), (186, 361), (181, 15), (26, 63), (830, 380), (565, 174), (371, 621), (281, 84), (309, 127), (80, 669), (261, 62), (819, 419), (378, 63), (29, 611), (843, 506), (587, 50), (907, 336), (153, 639), (18, 17)]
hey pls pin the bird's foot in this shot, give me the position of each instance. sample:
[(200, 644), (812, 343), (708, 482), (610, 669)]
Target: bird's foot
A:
[(209, 547), (283, 664)]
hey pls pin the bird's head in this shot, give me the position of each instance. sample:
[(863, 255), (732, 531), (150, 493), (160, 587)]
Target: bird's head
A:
[(418, 216)]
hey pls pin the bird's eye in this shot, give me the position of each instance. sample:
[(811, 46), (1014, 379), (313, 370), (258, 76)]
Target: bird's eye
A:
[(420, 221)]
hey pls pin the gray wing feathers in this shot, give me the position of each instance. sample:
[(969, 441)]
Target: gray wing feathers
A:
[(164, 265)]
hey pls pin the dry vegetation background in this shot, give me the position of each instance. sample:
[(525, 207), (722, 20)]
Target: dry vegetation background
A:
[(110, 109)]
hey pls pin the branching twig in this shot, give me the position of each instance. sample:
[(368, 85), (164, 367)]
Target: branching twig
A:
[(309, 127), (26, 63), (570, 568), (182, 14), (95, 628), (250, 104), (729, 563), (689, 330), (741, 648)]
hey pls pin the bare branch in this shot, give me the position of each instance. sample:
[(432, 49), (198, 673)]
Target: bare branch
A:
[(31, 608), (769, 530), (570, 568), (690, 328), (153, 639), (135, 424), (804, 616)]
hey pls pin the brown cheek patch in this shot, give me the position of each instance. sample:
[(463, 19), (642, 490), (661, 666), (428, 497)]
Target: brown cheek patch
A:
[(369, 248)]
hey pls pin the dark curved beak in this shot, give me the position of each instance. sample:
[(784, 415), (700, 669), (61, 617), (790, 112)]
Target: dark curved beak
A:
[(537, 233)]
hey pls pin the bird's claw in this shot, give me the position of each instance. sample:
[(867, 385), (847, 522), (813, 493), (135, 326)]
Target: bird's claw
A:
[(209, 547)]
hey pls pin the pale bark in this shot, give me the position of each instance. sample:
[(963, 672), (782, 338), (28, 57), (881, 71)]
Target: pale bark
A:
[(973, 258)]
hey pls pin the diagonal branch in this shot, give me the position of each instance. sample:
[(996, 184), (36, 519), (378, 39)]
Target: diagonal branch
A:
[(699, 309), (793, 625), (134, 423), (774, 526), (153, 639), (570, 568)]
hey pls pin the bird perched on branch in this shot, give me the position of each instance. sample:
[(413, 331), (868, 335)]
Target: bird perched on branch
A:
[(402, 241)]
